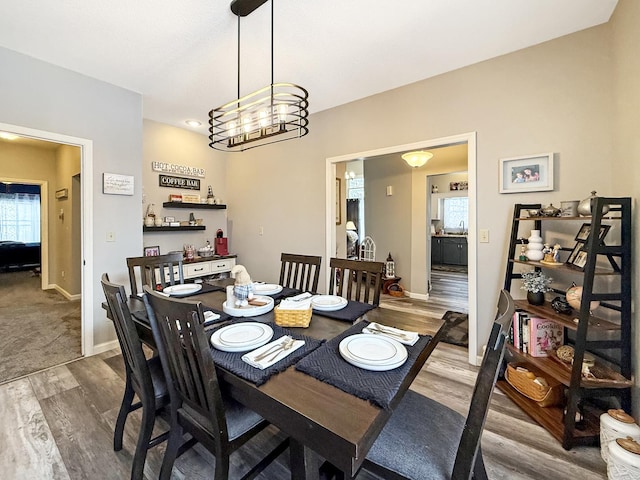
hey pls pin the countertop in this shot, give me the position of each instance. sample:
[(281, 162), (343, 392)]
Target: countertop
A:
[(454, 235)]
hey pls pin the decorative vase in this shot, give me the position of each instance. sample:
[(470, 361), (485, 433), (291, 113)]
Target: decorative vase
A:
[(535, 246), (585, 207), (535, 298)]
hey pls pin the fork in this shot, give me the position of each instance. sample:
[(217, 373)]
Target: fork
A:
[(386, 331), (275, 348), (287, 346)]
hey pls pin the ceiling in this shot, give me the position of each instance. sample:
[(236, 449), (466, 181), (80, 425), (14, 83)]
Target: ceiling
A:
[(181, 55)]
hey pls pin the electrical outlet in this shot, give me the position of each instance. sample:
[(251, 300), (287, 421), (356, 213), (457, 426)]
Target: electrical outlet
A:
[(111, 237), (483, 235), (261, 231)]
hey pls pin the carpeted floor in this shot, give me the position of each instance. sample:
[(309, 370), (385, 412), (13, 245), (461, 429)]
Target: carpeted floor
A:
[(38, 329), (459, 333)]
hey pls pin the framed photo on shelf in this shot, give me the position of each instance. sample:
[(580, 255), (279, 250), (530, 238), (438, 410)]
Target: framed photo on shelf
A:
[(585, 230), (152, 251), (530, 173), (580, 260), (574, 253)]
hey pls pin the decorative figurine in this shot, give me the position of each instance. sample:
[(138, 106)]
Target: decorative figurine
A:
[(556, 253), (243, 287), (210, 198)]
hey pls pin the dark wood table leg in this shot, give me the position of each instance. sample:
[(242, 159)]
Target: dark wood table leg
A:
[(305, 464)]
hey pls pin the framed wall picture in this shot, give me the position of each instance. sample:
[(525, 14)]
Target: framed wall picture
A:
[(531, 173), (152, 251)]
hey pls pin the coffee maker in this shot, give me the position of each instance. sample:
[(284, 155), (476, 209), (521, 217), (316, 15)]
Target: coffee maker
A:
[(221, 244)]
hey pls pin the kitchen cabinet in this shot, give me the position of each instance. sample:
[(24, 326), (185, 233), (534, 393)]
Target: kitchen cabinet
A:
[(604, 334), (449, 250)]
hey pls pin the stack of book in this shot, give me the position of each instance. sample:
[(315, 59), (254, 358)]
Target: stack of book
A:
[(535, 335)]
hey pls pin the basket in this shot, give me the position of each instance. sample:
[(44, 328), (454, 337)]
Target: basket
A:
[(292, 318), (396, 290), (523, 383)]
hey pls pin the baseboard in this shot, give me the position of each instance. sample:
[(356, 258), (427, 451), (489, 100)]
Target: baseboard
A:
[(418, 296), (105, 347), (65, 294)]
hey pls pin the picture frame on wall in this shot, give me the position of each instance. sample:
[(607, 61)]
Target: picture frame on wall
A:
[(152, 251), (529, 173)]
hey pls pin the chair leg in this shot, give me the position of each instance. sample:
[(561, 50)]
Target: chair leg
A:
[(146, 429), (173, 445), (479, 471), (222, 467), (125, 408)]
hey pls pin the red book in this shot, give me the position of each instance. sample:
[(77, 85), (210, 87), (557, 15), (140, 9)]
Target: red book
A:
[(544, 335)]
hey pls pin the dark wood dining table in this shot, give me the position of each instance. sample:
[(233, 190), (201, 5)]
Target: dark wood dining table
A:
[(325, 423)]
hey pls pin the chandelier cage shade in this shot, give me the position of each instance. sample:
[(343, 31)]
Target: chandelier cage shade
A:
[(274, 113), (418, 158)]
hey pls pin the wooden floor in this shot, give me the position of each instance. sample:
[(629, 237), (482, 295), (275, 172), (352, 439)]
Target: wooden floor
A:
[(58, 424)]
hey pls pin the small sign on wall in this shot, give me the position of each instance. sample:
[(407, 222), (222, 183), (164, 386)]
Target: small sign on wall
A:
[(178, 182), (116, 184)]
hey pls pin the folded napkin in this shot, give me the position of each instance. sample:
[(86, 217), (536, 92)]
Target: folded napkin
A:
[(302, 296), (289, 304), (402, 336), (209, 316), (274, 357)]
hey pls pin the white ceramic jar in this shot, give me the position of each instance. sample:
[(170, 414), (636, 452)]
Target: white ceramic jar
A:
[(624, 460), (616, 423), (535, 246)]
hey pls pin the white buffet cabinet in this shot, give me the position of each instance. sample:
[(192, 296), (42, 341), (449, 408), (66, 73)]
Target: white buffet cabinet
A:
[(205, 266)]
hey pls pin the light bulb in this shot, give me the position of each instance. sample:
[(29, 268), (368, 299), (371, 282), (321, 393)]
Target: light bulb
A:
[(264, 118), (282, 113), (246, 124), (231, 128)]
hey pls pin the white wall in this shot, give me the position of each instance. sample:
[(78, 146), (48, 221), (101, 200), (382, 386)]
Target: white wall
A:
[(45, 97)]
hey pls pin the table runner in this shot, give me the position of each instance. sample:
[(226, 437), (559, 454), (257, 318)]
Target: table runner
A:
[(353, 311), (233, 362), (327, 365)]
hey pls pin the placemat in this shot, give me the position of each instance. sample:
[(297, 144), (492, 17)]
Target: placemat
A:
[(206, 288), (327, 365), (286, 292), (233, 361), (353, 311), (142, 316)]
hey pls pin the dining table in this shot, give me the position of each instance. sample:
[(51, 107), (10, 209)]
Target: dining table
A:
[(329, 428)]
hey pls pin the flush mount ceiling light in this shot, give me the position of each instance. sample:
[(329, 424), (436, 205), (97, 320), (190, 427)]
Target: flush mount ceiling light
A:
[(8, 136), (272, 114), (418, 158), (193, 123)]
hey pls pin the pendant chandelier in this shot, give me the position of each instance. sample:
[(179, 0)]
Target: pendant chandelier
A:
[(271, 114)]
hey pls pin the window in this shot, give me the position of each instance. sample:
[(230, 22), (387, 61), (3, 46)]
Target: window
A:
[(20, 217), (455, 213)]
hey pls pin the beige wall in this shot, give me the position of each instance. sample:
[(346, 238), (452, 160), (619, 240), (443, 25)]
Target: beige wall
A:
[(65, 251), (164, 143), (625, 156), (556, 96)]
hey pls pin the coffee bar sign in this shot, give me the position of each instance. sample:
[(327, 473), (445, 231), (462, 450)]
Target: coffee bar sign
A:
[(174, 169), (179, 182)]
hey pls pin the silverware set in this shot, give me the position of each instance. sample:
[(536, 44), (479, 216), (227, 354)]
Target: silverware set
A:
[(378, 329), (286, 344)]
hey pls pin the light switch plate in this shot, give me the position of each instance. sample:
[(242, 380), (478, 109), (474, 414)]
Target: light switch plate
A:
[(483, 235)]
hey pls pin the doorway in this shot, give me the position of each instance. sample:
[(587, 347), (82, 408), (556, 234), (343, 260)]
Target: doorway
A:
[(418, 213), (84, 223)]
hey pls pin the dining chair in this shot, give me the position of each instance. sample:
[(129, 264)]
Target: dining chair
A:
[(197, 404), (154, 271), (437, 442), (142, 377), (356, 280), (300, 271)]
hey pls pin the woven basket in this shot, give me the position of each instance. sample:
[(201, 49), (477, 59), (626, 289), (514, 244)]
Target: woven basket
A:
[(292, 318), (544, 396), (396, 290)]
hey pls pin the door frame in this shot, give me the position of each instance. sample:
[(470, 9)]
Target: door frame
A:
[(86, 242), (330, 228)]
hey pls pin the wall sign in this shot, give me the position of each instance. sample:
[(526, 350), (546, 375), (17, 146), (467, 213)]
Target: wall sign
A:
[(115, 184), (178, 182), (179, 169)]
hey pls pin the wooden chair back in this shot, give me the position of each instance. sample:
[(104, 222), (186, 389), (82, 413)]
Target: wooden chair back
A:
[(300, 271), (153, 271), (356, 280), (470, 441), (134, 360), (190, 373)]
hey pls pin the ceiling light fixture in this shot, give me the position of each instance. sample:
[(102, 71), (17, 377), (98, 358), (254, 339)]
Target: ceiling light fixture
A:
[(193, 123), (418, 158), (8, 136), (272, 114)]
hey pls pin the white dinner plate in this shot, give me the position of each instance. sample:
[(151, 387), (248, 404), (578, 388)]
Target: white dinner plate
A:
[(328, 303), (266, 288), (182, 289), (241, 337), (373, 352), (250, 310)]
